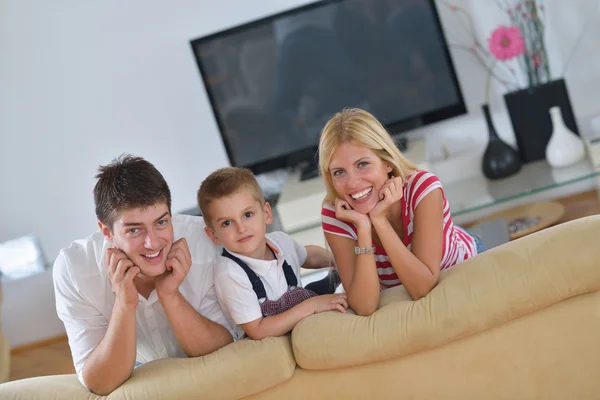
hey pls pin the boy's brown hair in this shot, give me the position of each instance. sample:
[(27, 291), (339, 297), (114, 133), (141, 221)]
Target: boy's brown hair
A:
[(225, 182), (128, 182)]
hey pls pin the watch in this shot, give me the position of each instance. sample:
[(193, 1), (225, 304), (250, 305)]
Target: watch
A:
[(364, 250)]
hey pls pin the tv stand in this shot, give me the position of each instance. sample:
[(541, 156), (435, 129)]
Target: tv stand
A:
[(402, 143), (309, 171)]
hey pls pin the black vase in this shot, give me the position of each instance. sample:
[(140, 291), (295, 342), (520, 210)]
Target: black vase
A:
[(499, 160), (530, 119)]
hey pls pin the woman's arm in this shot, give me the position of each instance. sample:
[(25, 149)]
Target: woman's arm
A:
[(357, 272), (419, 269)]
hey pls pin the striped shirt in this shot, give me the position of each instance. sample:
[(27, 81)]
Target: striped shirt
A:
[(457, 245)]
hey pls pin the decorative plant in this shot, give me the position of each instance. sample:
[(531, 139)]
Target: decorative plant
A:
[(522, 40), (505, 44), (527, 17)]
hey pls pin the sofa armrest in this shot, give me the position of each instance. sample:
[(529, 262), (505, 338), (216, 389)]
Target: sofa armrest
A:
[(4, 359), (499, 285), (4, 350), (237, 370)]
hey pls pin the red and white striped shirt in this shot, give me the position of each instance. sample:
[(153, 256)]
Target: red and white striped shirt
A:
[(457, 245)]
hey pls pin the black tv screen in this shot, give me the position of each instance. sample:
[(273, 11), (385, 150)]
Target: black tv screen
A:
[(274, 83)]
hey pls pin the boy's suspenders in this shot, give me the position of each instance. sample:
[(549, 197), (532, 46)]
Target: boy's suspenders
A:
[(257, 284)]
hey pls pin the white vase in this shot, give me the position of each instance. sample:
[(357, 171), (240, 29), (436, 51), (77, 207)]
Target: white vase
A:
[(564, 148)]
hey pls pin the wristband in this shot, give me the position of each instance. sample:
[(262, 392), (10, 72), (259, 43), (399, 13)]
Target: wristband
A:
[(364, 250)]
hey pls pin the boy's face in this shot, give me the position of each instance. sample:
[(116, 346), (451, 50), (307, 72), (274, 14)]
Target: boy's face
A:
[(239, 222), (145, 235)]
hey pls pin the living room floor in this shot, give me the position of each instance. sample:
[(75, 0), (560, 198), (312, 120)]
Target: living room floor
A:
[(53, 356)]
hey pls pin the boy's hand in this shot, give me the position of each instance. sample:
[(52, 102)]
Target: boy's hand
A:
[(178, 263), (121, 273), (329, 302)]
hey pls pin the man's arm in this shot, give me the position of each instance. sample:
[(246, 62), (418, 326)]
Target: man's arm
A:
[(104, 352), (196, 334), (113, 360)]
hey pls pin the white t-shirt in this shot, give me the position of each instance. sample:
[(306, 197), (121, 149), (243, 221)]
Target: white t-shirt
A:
[(234, 290), (84, 296)]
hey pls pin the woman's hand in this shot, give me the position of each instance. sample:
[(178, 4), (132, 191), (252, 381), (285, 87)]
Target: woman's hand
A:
[(390, 193), (345, 213)]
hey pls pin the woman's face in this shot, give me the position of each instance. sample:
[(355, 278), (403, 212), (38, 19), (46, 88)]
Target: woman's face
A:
[(358, 174)]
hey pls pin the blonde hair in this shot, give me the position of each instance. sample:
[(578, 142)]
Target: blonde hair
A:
[(359, 126), (225, 182)]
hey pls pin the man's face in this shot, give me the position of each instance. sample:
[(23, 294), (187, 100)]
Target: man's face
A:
[(145, 235)]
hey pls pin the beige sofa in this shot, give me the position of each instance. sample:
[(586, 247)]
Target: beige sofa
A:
[(521, 321)]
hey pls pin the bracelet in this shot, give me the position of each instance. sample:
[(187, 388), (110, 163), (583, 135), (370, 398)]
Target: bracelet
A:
[(364, 250)]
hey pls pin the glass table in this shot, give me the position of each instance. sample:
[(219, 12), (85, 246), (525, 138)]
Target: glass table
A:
[(480, 194), (475, 197)]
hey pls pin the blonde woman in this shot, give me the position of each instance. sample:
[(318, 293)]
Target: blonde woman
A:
[(387, 222)]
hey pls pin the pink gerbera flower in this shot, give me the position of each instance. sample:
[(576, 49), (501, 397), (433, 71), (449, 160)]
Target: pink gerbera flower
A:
[(506, 42)]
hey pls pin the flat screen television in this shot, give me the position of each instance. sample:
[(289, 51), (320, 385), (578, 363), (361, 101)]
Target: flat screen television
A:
[(273, 83)]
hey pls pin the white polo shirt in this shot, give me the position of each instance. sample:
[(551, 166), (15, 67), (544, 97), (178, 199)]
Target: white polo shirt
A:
[(234, 290), (84, 296)]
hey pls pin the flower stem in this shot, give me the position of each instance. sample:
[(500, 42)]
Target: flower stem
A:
[(489, 83), (539, 34)]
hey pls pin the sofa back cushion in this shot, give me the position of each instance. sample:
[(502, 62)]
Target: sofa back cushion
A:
[(233, 372), (236, 371), (499, 285)]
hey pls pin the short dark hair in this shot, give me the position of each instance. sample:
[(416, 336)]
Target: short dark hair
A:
[(128, 182), (225, 182)]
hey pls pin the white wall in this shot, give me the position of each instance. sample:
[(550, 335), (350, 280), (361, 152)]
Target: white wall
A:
[(84, 81), (565, 27), (81, 83), (28, 311)]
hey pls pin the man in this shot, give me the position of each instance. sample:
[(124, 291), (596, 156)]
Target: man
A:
[(141, 288)]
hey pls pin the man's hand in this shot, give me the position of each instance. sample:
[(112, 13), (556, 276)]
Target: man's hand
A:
[(178, 263), (345, 213), (390, 193), (329, 302), (121, 273)]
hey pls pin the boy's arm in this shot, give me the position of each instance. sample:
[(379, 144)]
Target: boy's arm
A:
[(280, 324), (235, 295), (238, 299), (317, 257)]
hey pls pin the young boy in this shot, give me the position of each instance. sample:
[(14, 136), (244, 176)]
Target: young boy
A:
[(258, 276)]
